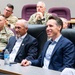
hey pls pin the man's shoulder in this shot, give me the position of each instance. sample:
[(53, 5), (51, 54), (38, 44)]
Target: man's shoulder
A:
[(12, 38), (65, 40), (12, 17), (49, 14), (8, 30), (30, 36)]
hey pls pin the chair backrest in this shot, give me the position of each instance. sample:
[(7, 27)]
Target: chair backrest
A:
[(39, 32), (28, 10), (61, 12), (70, 34)]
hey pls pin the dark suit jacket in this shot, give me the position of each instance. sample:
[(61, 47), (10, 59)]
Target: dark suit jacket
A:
[(62, 55), (27, 50)]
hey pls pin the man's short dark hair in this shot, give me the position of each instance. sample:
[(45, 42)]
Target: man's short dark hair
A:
[(10, 6), (58, 20)]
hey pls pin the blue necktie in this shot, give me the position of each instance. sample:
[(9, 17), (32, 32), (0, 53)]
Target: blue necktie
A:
[(49, 42)]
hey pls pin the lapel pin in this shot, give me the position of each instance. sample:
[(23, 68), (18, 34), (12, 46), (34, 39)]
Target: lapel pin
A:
[(22, 44)]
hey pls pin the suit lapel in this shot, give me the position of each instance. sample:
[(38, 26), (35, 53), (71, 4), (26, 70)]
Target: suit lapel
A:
[(13, 43), (45, 48), (22, 47), (58, 45)]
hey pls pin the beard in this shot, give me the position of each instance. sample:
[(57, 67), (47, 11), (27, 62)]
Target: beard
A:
[(18, 35)]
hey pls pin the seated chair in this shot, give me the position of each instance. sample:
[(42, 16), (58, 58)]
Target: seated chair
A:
[(70, 34), (39, 32), (61, 12), (28, 10)]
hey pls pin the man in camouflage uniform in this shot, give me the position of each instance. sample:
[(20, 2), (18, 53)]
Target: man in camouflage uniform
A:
[(5, 33), (8, 11), (41, 16)]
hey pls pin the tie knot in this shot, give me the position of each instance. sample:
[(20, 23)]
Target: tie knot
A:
[(53, 42), (49, 42)]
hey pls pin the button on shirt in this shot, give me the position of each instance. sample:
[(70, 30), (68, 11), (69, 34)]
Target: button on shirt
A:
[(49, 52), (16, 48)]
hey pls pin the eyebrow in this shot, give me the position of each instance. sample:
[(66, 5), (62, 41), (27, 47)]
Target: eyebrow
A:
[(7, 10), (17, 27)]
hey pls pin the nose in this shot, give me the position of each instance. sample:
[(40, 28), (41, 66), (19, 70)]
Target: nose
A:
[(16, 29), (38, 8)]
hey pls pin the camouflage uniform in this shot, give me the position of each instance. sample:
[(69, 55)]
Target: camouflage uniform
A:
[(40, 21), (12, 20), (4, 36)]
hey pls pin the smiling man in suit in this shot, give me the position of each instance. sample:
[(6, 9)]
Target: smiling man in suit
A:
[(22, 46), (58, 51)]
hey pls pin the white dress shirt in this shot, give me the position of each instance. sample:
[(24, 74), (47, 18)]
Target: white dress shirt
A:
[(16, 48), (49, 52)]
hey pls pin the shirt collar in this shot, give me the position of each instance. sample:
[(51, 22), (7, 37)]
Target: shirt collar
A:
[(57, 39), (22, 37)]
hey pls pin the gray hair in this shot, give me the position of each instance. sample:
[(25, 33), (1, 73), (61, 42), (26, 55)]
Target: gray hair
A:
[(42, 3), (24, 22)]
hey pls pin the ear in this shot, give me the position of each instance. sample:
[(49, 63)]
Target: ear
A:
[(59, 28), (26, 29), (12, 11), (6, 22)]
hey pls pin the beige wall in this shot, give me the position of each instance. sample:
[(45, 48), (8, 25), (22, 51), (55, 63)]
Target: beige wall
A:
[(49, 3)]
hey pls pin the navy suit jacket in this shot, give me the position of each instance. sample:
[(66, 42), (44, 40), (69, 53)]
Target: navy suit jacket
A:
[(62, 55), (27, 50)]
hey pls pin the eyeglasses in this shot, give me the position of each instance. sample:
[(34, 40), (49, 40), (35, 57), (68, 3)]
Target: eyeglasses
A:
[(8, 10)]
